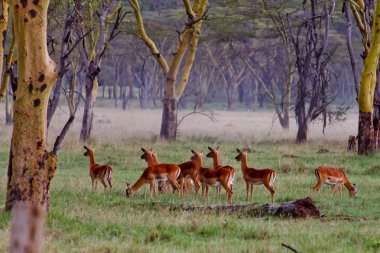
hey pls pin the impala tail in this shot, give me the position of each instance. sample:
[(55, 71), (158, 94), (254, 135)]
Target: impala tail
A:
[(178, 173), (272, 178), (231, 178)]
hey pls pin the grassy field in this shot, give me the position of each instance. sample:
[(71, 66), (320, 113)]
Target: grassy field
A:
[(82, 221)]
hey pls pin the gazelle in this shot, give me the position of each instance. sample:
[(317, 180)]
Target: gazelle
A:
[(186, 179), (333, 176), (213, 177), (214, 154), (253, 176), (156, 173), (98, 172)]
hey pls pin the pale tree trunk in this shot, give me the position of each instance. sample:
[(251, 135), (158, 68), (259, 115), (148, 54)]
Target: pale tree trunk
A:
[(88, 110), (31, 167), (3, 31), (367, 89)]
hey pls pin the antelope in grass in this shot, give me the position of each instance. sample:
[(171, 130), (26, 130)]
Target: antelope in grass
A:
[(253, 176), (214, 155), (156, 173), (187, 179), (333, 176), (351, 143), (98, 172), (213, 177)]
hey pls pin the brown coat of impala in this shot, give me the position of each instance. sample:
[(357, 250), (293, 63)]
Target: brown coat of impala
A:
[(214, 154), (333, 176), (213, 177), (98, 172), (156, 173), (253, 176)]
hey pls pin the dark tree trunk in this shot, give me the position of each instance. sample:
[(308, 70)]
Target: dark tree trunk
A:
[(169, 119), (124, 98), (365, 136), (284, 122), (88, 112)]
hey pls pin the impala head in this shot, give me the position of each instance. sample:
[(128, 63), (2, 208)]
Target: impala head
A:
[(353, 190), (129, 191), (147, 154), (212, 152), (88, 151), (240, 155), (197, 156)]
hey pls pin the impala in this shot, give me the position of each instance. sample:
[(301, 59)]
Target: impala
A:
[(151, 159), (156, 173), (187, 179), (213, 177), (253, 176), (98, 172), (214, 154), (351, 143), (333, 176)]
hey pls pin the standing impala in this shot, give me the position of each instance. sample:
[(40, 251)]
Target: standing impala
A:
[(156, 173), (98, 172), (151, 159), (333, 176), (214, 155), (213, 177), (253, 176), (186, 179)]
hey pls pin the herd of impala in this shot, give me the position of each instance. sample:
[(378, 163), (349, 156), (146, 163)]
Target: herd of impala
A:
[(191, 174)]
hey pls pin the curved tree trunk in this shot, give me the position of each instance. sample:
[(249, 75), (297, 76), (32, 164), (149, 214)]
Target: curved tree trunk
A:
[(31, 167), (367, 89)]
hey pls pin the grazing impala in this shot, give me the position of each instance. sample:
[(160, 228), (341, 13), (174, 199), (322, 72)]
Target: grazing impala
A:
[(253, 176), (98, 172), (213, 177), (156, 173), (333, 176), (214, 154)]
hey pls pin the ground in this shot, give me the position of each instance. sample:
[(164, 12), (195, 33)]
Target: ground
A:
[(83, 221)]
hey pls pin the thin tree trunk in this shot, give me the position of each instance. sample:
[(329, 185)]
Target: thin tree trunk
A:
[(169, 119), (87, 111)]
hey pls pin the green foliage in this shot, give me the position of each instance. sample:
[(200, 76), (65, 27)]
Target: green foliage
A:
[(83, 221)]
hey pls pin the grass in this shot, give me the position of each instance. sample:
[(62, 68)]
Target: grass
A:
[(83, 221)]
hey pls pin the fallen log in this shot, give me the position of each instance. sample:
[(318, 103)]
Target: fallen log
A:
[(300, 208)]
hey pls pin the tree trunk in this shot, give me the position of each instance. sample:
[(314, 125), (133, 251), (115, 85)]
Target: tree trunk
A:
[(85, 132), (8, 111), (284, 121), (31, 167), (365, 138), (169, 119)]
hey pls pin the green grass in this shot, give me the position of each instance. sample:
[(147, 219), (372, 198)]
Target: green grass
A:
[(83, 221)]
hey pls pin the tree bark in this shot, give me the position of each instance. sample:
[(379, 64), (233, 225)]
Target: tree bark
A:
[(169, 119), (31, 167), (365, 138), (88, 113), (3, 31)]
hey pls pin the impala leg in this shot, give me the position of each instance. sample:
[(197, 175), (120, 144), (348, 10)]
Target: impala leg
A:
[(251, 192), (271, 190), (93, 184), (206, 194), (110, 183), (104, 184), (340, 189), (317, 187), (175, 185), (332, 189), (228, 190), (152, 188), (196, 184), (247, 186)]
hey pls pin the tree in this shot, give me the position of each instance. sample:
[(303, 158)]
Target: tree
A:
[(188, 40), (4, 9), (367, 87), (31, 167)]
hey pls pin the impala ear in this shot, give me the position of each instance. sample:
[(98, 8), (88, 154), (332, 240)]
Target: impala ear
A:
[(238, 150), (85, 147), (217, 148), (192, 151), (143, 150), (210, 148)]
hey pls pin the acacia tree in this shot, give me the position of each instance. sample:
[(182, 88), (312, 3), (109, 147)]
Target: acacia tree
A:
[(188, 40), (368, 82), (4, 9), (31, 167)]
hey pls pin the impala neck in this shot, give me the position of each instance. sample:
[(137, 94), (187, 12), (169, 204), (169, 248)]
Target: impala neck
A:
[(244, 162), (92, 158), (151, 161), (138, 184), (215, 160), (198, 164), (155, 160), (347, 184)]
